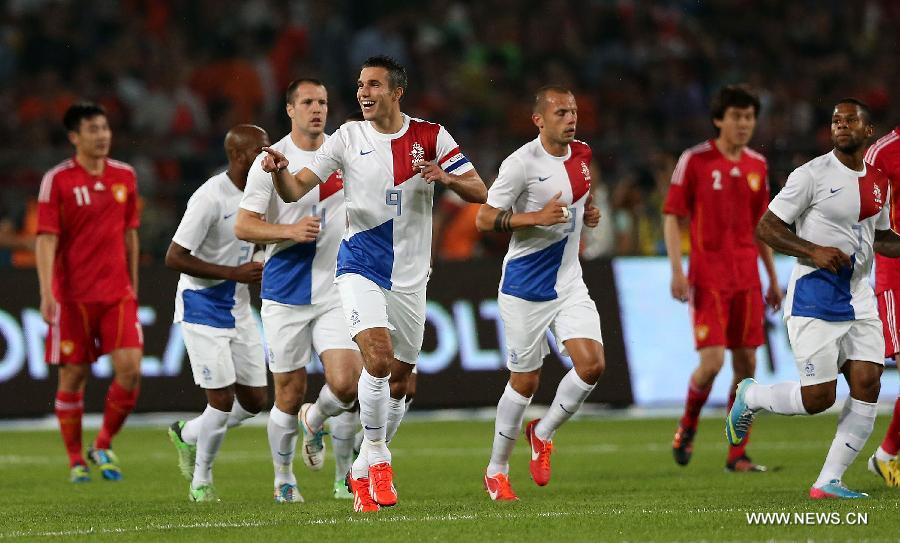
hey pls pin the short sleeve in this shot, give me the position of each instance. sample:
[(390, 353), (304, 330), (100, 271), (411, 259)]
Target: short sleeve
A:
[(795, 197), (48, 206), (680, 198), (330, 156), (198, 218), (258, 192), (450, 158), (509, 185), (132, 210)]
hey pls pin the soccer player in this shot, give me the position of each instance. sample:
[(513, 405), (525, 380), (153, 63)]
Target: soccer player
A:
[(213, 306), (720, 190), (884, 154), (838, 205), (87, 255), (390, 162), (301, 307), (542, 195)]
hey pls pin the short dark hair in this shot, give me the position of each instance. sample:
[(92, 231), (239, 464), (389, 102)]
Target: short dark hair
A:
[(864, 107), (541, 94), (739, 96), (293, 85), (80, 111), (396, 72)]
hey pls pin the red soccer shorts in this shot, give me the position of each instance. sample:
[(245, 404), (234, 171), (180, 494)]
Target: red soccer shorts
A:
[(730, 318), (887, 310), (86, 330)]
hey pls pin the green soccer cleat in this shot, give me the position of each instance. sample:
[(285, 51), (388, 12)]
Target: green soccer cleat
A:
[(204, 493), (79, 474), (340, 490), (739, 419), (187, 453), (107, 461)]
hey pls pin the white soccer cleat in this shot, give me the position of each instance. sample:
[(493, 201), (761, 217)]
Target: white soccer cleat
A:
[(313, 449)]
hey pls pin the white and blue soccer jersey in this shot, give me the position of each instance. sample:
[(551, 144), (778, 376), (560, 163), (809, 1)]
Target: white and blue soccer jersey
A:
[(388, 239), (298, 273), (834, 206), (542, 262), (207, 231)]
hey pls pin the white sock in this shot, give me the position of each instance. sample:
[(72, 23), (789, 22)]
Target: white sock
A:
[(854, 428), (883, 455), (374, 393), (781, 398), (343, 432), (510, 412), (396, 410), (360, 467), (283, 430), (570, 394), (408, 401), (238, 414), (213, 424), (327, 405)]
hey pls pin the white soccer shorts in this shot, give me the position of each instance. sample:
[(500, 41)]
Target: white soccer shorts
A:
[(821, 347), (367, 305), (572, 315), (221, 357), (293, 331)]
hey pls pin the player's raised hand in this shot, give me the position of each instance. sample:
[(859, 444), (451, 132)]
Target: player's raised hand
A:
[(555, 212), (249, 272), (774, 296), (48, 309), (830, 258), (680, 287), (274, 161), (306, 229), (432, 172), (591, 213)]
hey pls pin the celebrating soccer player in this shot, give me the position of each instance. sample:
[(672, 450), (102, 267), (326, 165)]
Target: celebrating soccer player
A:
[(213, 306), (884, 154), (87, 254), (301, 307), (838, 206), (542, 195), (720, 187), (390, 162)]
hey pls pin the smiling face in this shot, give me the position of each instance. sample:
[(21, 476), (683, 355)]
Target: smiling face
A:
[(736, 125), (556, 116), (308, 109), (377, 100), (850, 128), (93, 137)]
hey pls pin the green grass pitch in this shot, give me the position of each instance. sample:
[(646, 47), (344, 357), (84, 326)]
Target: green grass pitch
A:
[(613, 480)]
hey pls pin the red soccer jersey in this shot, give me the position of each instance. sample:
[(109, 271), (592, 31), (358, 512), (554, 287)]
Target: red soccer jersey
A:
[(725, 200), (90, 215), (884, 154)]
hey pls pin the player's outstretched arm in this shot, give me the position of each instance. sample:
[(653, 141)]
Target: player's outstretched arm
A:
[(45, 255), (180, 259), (469, 186), (290, 187), (887, 243), (491, 219), (250, 226), (672, 227), (775, 232)]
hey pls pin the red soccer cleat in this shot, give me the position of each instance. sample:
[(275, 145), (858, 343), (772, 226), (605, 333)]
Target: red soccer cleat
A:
[(381, 484), (498, 488), (362, 500), (540, 455)]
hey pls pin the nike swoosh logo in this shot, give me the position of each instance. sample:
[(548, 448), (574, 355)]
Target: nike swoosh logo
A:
[(566, 410), (507, 437), (375, 428), (284, 454), (363, 153), (850, 447), (542, 179), (494, 492), (836, 190), (226, 217)]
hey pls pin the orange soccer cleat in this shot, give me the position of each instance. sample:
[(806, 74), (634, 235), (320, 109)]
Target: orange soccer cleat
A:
[(362, 500), (498, 488), (381, 484), (540, 455)]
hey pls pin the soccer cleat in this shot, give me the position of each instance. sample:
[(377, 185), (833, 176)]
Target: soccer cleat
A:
[(79, 474), (381, 484), (313, 451), (187, 453), (498, 488), (107, 461), (288, 493), (835, 489), (540, 455), (889, 471), (204, 493), (362, 499), (739, 419), (341, 492), (745, 465), (683, 445)]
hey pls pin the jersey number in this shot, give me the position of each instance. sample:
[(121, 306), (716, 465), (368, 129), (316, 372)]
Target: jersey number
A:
[(82, 196), (717, 180), (394, 197)]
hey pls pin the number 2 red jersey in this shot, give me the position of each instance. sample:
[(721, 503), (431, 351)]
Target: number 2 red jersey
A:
[(884, 154), (89, 214), (724, 199)]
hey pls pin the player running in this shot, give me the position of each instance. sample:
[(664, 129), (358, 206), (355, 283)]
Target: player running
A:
[(838, 205), (542, 195), (301, 307), (720, 187), (87, 255), (390, 162), (213, 306)]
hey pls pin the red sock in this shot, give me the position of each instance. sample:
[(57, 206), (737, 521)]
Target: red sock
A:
[(69, 408), (737, 451), (891, 443), (119, 404), (696, 398)]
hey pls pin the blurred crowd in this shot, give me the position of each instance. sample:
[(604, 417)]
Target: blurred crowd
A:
[(174, 75)]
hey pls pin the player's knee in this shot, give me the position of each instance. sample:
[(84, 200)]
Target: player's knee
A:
[(221, 399), (129, 378), (378, 356), (818, 400), (344, 387), (591, 370), (526, 383), (255, 399)]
